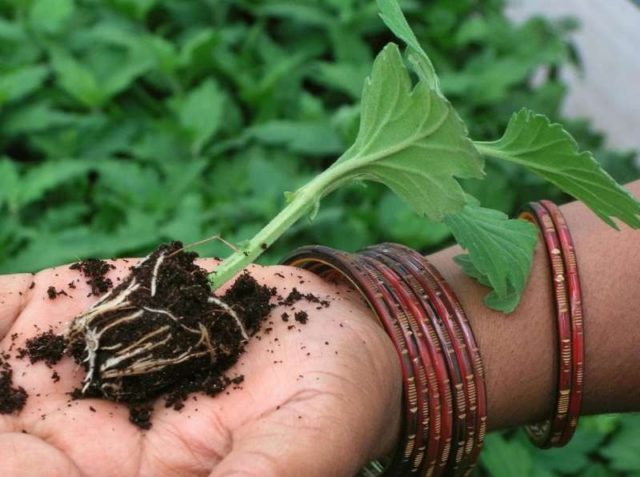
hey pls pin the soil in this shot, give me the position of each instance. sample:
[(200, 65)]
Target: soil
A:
[(12, 399), (159, 332), (47, 347), (162, 331), (95, 270)]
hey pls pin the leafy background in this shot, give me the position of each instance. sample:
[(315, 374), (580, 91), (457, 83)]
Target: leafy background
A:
[(124, 123)]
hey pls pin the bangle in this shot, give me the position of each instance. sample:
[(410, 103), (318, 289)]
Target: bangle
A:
[(333, 264), (444, 392), (450, 313), (557, 431), (576, 313)]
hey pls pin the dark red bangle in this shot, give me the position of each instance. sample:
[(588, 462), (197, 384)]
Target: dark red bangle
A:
[(549, 432), (326, 262), (467, 353), (445, 400), (441, 405), (392, 291), (576, 313)]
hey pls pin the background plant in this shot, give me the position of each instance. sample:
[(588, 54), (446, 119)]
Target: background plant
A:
[(127, 122)]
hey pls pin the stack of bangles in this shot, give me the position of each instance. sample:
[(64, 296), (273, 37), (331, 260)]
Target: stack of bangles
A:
[(444, 396)]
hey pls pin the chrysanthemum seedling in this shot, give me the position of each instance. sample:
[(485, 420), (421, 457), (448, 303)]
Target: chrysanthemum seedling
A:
[(162, 319), (161, 323)]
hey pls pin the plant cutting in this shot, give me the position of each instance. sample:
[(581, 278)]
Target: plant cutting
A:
[(162, 325)]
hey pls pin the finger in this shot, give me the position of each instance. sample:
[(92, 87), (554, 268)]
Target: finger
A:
[(14, 291), (22, 455)]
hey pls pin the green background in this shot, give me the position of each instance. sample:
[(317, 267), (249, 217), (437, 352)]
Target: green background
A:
[(124, 123)]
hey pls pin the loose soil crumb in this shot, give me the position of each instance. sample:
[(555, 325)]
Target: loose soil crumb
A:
[(141, 416), (47, 347), (294, 296), (302, 317), (12, 399), (53, 293), (95, 270)]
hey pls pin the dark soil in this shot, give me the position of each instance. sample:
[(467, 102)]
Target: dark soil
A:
[(301, 317), (95, 270), (141, 415), (53, 293), (161, 331), (12, 399), (47, 347)]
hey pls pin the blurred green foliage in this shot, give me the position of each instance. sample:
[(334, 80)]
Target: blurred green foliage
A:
[(124, 123)]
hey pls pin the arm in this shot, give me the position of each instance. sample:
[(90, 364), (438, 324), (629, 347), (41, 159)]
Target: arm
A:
[(519, 349)]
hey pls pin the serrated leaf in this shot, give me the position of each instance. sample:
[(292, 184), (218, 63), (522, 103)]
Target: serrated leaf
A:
[(200, 113), (307, 137), (49, 175), (624, 448), (9, 183), (76, 79), (549, 150), (411, 140), (50, 16), (500, 252), (392, 16), (18, 83), (36, 117), (503, 458)]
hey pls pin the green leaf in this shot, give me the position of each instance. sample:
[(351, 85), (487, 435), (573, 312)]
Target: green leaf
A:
[(50, 16), (500, 252), (9, 183), (200, 113), (392, 16), (307, 137), (77, 80), (503, 458), (549, 150), (49, 175), (35, 117), (18, 83), (399, 224), (624, 448), (411, 140)]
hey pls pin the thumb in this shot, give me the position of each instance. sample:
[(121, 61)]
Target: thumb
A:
[(288, 443)]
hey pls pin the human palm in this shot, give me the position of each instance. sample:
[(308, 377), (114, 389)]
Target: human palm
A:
[(317, 399)]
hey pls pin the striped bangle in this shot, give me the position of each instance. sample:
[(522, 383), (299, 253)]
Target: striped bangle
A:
[(558, 430), (444, 392)]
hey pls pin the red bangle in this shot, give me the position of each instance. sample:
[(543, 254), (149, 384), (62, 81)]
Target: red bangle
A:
[(331, 263), (468, 356), (445, 399), (392, 291), (577, 326), (441, 405), (557, 431)]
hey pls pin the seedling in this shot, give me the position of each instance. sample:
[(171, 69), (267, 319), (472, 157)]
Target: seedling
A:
[(412, 140), (162, 320)]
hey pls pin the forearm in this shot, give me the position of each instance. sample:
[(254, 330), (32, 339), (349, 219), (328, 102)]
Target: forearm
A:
[(519, 350)]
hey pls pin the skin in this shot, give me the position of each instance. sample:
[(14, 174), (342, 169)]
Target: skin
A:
[(333, 405), (327, 413)]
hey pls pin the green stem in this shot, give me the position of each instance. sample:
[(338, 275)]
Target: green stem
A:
[(302, 203)]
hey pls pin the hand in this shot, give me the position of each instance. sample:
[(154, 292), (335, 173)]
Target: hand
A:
[(318, 400)]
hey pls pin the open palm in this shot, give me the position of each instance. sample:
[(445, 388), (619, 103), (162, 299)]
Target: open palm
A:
[(318, 399)]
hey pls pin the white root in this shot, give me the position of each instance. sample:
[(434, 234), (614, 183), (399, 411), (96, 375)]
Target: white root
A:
[(142, 362), (232, 313), (154, 275), (115, 360), (147, 366), (143, 339)]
